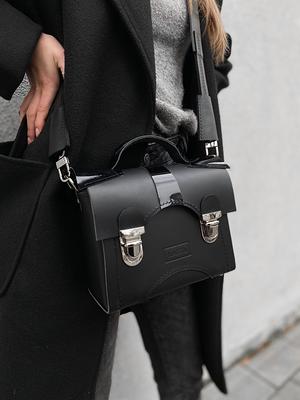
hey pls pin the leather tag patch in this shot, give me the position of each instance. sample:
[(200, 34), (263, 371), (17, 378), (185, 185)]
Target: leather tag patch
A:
[(176, 252)]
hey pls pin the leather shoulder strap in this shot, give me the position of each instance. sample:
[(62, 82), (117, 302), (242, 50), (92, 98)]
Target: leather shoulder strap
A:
[(207, 129)]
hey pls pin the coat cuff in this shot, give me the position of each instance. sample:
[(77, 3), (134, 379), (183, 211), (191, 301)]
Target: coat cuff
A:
[(18, 38), (222, 70)]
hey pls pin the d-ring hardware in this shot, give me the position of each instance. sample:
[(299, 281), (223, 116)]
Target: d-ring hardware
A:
[(212, 149), (64, 171)]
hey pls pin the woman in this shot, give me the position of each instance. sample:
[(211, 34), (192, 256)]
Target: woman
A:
[(55, 342)]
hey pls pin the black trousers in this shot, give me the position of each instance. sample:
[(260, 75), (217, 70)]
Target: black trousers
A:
[(170, 331)]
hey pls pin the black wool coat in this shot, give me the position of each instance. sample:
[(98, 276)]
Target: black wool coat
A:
[(49, 326)]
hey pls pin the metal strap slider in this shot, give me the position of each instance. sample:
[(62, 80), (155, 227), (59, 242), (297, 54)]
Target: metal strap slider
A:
[(212, 149)]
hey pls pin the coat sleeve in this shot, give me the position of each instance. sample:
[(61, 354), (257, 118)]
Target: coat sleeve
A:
[(18, 37), (222, 70)]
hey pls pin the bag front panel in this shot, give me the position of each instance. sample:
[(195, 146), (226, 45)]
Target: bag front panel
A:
[(175, 255)]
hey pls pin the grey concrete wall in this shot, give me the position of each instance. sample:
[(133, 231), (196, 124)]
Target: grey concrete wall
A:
[(9, 118), (261, 124), (261, 127)]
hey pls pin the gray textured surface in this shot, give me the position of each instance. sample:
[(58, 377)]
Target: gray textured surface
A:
[(261, 124), (289, 392), (9, 117), (171, 37), (277, 363), (242, 385), (273, 374), (296, 378), (293, 337)]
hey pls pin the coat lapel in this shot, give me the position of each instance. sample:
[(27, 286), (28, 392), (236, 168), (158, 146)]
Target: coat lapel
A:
[(137, 17)]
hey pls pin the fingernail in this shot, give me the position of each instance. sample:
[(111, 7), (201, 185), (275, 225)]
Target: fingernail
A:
[(29, 140), (37, 131)]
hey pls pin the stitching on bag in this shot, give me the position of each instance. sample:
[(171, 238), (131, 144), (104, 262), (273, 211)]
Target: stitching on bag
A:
[(172, 202), (179, 202), (116, 254), (105, 274), (169, 274)]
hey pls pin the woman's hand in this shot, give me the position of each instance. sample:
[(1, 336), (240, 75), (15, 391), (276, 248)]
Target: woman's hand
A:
[(43, 74)]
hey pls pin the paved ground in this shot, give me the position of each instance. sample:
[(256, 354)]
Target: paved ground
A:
[(272, 374)]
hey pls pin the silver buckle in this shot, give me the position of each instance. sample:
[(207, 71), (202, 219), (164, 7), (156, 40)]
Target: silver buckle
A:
[(132, 245), (210, 226), (63, 167), (212, 149), (64, 171)]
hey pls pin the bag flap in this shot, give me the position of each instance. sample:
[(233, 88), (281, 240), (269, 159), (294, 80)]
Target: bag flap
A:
[(148, 192), (198, 182)]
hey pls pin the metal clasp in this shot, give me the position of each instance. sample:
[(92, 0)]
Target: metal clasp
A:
[(132, 245), (64, 171), (212, 149), (210, 226), (63, 167)]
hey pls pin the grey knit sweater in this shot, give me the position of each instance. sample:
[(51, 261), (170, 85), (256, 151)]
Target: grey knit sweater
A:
[(171, 38)]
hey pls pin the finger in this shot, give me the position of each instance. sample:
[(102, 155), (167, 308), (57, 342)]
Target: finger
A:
[(46, 99), (31, 115), (25, 104)]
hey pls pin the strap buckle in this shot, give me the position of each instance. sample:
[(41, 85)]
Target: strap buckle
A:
[(212, 149), (63, 167)]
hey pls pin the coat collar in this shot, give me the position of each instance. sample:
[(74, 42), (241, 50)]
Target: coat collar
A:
[(137, 17)]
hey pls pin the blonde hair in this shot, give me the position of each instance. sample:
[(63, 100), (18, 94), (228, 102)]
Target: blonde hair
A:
[(214, 28)]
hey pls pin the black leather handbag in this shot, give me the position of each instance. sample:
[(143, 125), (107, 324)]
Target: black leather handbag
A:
[(150, 230)]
